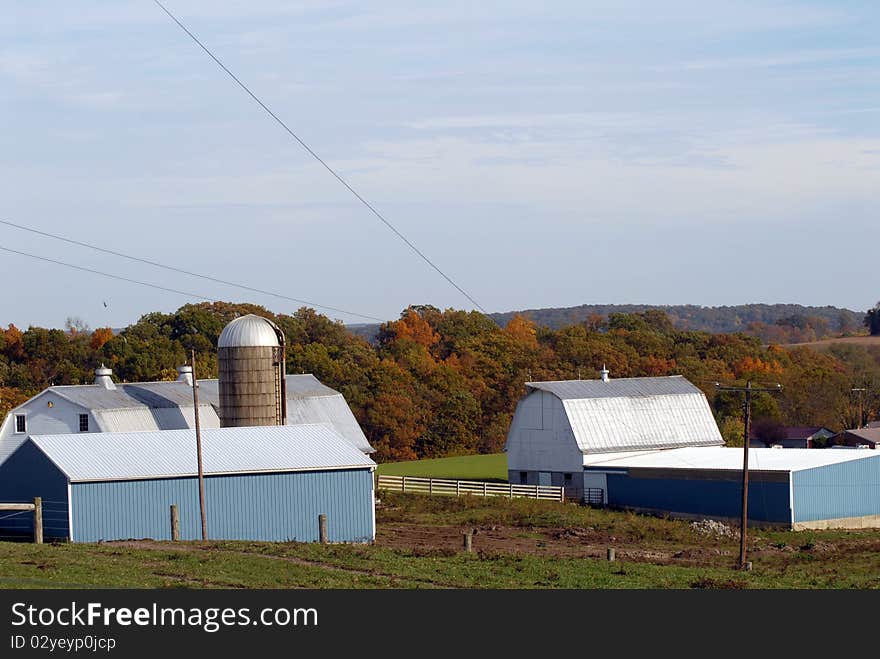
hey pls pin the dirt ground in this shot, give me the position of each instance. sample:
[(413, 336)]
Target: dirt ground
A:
[(550, 542)]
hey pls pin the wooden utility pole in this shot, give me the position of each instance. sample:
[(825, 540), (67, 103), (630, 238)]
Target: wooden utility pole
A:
[(747, 414), (199, 447), (861, 391)]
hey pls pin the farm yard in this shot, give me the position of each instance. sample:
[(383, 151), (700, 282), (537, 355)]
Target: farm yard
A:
[(517, 543)]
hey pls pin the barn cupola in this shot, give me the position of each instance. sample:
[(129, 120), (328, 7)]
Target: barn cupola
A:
[(185, 374), (102, 377), (604, 373)]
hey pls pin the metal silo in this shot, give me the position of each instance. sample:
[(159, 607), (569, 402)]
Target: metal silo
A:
[(251, 373)]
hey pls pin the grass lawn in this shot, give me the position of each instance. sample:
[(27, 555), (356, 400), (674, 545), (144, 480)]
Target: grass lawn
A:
[(653, 553), (466, 467)]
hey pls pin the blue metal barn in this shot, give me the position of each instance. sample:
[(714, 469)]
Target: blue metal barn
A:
[(794, 488), (262, 483)]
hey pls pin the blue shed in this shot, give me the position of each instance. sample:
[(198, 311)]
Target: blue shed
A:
[(793, 488), (261, 483)]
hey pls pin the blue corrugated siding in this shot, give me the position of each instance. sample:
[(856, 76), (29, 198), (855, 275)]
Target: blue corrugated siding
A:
[(846, 489), (768, 502), (275, 507), (26, 474)]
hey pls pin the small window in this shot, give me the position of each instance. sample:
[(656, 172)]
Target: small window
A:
[(567, 477), (20, 423), (523, 477), (83, 422)]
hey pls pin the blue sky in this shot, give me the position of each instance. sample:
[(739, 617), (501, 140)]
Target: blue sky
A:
[(543, 154)]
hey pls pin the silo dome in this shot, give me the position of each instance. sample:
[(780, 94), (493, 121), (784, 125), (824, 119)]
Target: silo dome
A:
[(249, 331), (251, 385)]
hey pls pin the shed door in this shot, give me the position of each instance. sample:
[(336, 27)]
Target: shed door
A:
[(544, 478), (595, 487)]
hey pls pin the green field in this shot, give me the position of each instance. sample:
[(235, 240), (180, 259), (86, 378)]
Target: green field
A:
[(466, 467), (521, 544)]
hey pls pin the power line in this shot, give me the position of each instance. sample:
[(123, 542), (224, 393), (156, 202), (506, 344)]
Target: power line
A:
[(181, 271), (332, 171), (105, 274)]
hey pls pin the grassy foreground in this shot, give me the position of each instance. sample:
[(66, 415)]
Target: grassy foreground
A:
[(466, 467), (832, 559)]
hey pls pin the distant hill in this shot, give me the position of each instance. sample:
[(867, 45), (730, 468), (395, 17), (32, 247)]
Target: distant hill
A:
[(692, 317), (718, 320)]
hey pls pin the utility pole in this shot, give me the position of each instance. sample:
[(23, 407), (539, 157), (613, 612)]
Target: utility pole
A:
[(747, 412), (199, 447), (861, 391)]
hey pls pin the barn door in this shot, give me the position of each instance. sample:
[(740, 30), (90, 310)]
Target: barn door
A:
[(595, 487), (544, 478)]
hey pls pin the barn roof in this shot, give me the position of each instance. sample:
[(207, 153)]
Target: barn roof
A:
[(172, 453), (617, 388), (865, 434), (631, 414), (146, 406), (726, 459)]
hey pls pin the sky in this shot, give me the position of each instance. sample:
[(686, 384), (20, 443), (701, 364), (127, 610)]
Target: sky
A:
[(540, 154)]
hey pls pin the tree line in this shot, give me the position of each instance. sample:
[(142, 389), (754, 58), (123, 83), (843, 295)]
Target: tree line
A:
[(437, 383)]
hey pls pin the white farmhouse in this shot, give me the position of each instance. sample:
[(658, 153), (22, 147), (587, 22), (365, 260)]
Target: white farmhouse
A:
[(561, 427)]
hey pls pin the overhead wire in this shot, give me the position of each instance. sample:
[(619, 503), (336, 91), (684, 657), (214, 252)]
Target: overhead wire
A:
[(178, 270), (105, 274), (323, 163)]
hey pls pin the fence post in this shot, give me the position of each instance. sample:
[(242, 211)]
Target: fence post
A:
[(484, 489), (562, 494), (430, 486), (38, 520), (458, 488), (468, 541), (511, 490), (611, 554), (322, 528), (403, 488), (175, 523)]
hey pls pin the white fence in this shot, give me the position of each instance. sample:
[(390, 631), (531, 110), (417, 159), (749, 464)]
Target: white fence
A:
[(476, 488)]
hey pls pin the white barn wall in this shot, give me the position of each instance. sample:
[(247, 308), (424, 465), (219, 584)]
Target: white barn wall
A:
[(61, 418), (541, 440)]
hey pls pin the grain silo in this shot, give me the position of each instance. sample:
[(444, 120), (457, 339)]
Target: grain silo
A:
[(251, 373)]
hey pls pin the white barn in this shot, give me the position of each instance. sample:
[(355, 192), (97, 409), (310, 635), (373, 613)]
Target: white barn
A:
[(559, 427), (106, 406)]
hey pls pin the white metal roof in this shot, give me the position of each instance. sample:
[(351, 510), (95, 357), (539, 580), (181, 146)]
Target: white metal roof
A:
[(632, 414), (249, 330), (172, 453), (619, 388), (168, 405), (727, 458), (623, 424), (144, 419)]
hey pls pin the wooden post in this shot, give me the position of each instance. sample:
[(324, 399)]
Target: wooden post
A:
[(403, 488), (38, 520), (430, 486), (468, 541), (322, 528), (458, 488), (484, 489), (511, 490), (562, 494), (175, 523), (611, 554)]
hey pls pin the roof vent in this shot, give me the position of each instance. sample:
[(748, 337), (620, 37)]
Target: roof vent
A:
[(604, 374), (102, 377), (185, 374)]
